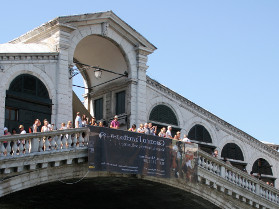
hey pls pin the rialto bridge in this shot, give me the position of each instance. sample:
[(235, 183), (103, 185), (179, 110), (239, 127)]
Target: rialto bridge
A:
[(37, 71)]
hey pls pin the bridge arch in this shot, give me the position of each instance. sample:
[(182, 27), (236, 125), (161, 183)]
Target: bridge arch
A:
[(79, 171)]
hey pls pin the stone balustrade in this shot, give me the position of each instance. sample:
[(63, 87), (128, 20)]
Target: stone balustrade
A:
[(25, 144), (33, 152), (242, 185)]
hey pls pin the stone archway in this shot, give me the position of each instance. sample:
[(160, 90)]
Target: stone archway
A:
[(263, 170), (103, 95), (233, 153), (199, 134), (26, 100)]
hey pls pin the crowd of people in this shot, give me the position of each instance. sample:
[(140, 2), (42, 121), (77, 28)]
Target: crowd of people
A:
[(83, 121)]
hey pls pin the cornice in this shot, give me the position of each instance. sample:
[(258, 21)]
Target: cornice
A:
[(209, 116), (71, 23), (28, 56)]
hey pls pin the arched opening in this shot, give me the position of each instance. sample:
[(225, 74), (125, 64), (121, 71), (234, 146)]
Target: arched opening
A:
[(200, 135), (106, 95), (262, 169), (234, 155), (26, 100), (162, 116)]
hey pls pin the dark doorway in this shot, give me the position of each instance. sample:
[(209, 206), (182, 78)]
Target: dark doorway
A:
[(26, 100)]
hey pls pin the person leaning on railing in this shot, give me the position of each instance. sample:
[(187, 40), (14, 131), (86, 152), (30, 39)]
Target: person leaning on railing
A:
[(114, 124)]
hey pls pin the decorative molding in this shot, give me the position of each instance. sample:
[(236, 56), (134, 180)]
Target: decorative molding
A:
[(209, 116), (28, 56)]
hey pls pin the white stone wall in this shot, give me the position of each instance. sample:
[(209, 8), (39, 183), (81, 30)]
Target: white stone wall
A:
[(190, 114), (45, 70)]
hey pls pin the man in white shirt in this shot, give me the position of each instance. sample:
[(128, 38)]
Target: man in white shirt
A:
[(168, 133), (21, 128)]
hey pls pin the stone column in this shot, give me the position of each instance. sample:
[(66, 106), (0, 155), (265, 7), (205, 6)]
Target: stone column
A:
[(64, 109), (138, 87)]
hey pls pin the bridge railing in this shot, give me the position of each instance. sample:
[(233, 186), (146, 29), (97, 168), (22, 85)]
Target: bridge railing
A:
[(238, 177), (24, 144)]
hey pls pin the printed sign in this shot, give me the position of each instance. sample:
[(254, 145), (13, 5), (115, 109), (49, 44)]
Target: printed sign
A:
[(129, 152)]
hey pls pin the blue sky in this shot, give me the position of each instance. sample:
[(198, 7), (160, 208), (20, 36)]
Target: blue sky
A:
[(220, 54)]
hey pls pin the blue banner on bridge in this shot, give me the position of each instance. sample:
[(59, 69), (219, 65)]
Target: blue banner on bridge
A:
[(129, 152)]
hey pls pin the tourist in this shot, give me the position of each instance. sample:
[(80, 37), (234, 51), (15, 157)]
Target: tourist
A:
[(6, 133), (101, 124), (134, 128), (141, 129), (93, 122), (186, 139), (114, 124), (146, 129), (63, 126), (177, 136), (84, 121), (162, 132), (78, 122), (21, 128), (215, 153), (46, 127), (152, 129), (168, 133), (14, 131), (69, 124), (36, 125)]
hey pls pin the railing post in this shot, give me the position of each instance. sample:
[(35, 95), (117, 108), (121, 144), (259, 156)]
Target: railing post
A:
[(257, 189), (34, 145), (223, 172)]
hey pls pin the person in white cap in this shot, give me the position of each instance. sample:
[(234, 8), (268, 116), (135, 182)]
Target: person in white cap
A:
[(168, 133), (6, 132), (114, 124)]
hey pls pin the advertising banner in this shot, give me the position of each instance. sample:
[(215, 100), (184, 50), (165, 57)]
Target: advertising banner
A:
[(129, 152)]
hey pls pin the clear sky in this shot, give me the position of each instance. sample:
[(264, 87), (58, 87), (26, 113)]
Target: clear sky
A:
[(221, 54)]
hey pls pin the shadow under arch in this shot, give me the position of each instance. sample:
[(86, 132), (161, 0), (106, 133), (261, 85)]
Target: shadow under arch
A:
[(171, 191)]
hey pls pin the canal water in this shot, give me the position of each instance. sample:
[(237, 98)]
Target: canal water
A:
[(104, 193)]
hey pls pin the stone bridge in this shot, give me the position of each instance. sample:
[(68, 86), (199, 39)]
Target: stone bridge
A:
[(31, 160)]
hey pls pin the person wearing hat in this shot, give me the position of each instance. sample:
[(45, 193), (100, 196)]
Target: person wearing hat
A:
[(21, 128), (6, 133), (114, 124)]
